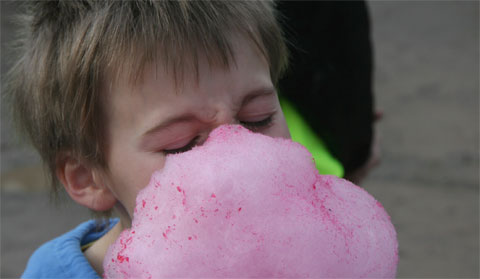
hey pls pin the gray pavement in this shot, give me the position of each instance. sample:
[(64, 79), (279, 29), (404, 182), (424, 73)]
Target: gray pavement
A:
[(427, 84)]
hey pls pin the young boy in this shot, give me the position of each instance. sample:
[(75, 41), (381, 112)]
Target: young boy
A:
[(106, 89)]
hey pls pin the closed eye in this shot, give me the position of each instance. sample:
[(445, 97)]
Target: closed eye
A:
[(258, 125), (182, 149)]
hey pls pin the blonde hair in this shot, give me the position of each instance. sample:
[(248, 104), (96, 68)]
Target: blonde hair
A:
[(66, 47)]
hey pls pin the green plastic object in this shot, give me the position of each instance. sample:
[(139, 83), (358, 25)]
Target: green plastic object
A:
[(302, 133)]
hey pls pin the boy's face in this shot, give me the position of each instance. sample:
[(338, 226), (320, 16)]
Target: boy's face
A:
[(148, 120)]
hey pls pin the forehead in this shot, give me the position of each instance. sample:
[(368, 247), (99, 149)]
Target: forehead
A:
[(177, 62), (158, 86), (182, 68)]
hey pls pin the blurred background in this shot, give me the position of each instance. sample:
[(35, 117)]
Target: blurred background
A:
[(426, 82)]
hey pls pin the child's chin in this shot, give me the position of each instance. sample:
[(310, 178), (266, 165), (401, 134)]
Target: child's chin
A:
[(247, 205)]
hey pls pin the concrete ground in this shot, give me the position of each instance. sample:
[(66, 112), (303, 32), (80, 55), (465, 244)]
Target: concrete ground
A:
[(427, 84)]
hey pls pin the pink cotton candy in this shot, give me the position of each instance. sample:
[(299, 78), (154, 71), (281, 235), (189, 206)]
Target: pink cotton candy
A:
[(247, 205)]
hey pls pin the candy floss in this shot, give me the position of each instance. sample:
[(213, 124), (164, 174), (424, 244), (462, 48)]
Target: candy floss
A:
[(247, 205)]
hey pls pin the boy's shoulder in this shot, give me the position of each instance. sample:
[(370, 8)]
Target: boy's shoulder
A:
[(62, 257)]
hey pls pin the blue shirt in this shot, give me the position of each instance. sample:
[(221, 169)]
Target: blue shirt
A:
[(62, 257)]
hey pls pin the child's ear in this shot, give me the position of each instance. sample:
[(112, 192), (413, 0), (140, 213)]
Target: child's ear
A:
[(83, 184)]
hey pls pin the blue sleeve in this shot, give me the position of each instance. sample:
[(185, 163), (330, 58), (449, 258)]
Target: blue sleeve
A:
[(44, 263), (62, 257)]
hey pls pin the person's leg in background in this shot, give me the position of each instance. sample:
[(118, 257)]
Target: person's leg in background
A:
[(329, 81)]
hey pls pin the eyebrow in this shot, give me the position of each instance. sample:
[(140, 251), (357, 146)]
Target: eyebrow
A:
[(264, 91), (170, 121)]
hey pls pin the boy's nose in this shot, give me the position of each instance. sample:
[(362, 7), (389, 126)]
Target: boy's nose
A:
[(217, 117), (223, 117)]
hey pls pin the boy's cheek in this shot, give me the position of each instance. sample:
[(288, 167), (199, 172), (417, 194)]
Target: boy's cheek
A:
[(281, 128), (131, 176)]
